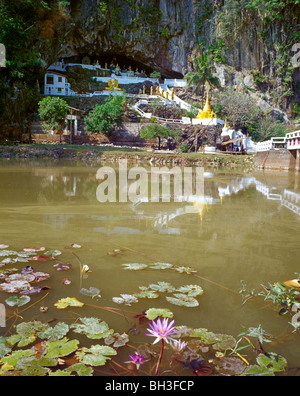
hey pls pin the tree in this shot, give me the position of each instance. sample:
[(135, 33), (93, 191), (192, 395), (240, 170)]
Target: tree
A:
[(154, 131), (105, 117), (53, 111), (203, 75), (240, 108)]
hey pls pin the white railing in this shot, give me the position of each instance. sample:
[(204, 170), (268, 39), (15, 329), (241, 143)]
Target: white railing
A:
[(175, 82), (273, 143), (293, 140)]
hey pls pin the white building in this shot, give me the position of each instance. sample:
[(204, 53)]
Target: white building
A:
[(57, 84)]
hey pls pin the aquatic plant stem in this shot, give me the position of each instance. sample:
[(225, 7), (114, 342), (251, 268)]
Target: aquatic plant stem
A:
[(160, 357)]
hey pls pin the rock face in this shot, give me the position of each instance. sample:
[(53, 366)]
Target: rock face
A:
[(155, 35), (164, 35)]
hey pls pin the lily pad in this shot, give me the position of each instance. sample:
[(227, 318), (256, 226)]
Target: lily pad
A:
[(153, 313), (53, 253), (17, 301), (14, 286), (97, 355), (40, 276), (183, 300), (68, 302), (93, 328), (134, 266), (118, 340), (185, 270), (3, 246), (61, 348), (41, 258), (91, 292), (163, 287), (20, 277), (126, 299), (62, 267), (146, 293), (162, 266), (54, 333), (191, 290)]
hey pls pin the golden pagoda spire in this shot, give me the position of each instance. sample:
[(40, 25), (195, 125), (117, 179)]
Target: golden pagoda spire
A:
[(207, 112)]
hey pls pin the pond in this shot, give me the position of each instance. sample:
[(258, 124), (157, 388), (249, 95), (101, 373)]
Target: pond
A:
[(245, 228)]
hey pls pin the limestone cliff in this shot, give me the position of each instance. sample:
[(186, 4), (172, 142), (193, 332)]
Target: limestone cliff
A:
[(164, 35)]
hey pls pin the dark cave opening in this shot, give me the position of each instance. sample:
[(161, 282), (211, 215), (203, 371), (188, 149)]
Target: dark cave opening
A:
[(123, 61)]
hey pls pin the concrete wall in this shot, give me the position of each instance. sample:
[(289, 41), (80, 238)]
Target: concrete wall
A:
[(276, 159)]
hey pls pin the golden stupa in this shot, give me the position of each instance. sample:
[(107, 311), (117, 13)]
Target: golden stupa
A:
[(207, 112)]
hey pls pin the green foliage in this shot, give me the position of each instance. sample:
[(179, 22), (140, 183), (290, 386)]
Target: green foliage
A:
[(272, 9), (53, 111), (184, 148), (104, 118), (203, 74), (156, 131)]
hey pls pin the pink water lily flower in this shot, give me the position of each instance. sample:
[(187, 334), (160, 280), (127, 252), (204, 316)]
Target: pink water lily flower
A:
[(162, 330), (136, 359)]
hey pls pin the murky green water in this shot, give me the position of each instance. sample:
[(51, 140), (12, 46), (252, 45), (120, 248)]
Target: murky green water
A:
[(247, 229)]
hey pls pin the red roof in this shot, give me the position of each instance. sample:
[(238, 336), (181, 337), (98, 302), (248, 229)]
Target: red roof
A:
[(58, 74)]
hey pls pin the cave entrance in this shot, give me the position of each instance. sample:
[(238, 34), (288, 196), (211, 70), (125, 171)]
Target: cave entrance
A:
[(122, 61)]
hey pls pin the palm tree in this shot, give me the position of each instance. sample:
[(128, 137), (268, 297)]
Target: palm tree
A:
[(203, 75)]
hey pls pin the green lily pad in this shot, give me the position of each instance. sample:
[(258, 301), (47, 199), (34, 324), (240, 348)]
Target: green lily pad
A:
[(61, 348), (161, 266), (54, 333), (126, 299), (183, 300), (191, 290), (146, 293), (97, 355), (134, 266), (93, 328), (17, 301), (163, 287), (153, 313), (4, 348)]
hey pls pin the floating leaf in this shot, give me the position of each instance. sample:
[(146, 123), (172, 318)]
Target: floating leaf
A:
[(62, 267), (14, 287), (153, 313), (162, 266), (26, 333), (3, 246), (66, 281), (34, 249), (191, 290), (61, 348), (54, 333), (40, 276), (6, 253), (186, 270), (127, 299), (68, 302), (91, 292), (97, 355), (53, 253), (93, 328), (17, 301), (20, 277), (41, 258), (34, 290), (163, 287), (183, 300), (4, 348), (134, 266), (118, 340), (146, 293)]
